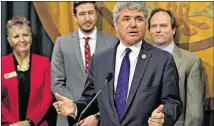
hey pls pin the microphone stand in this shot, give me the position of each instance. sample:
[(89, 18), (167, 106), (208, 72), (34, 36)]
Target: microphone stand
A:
[(108, 78), (77, 124)]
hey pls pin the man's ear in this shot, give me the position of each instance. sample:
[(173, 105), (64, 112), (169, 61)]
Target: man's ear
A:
[(174, 30), (75, 18), (115, 25)]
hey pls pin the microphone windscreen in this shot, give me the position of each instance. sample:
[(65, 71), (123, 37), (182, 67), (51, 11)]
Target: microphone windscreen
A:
[(109, 77)]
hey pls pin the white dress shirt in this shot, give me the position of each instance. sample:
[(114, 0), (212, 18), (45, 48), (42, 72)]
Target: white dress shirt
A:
[(92, 42), (133, 56), (169, 48)]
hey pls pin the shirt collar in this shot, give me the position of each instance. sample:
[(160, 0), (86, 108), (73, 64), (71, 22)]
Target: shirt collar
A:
[(92, 35), (135, 49), (169, 48)]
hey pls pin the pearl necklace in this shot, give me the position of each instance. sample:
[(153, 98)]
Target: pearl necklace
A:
[(20, 68)]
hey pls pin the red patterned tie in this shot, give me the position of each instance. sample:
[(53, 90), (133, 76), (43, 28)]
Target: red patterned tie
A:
[(87, 54)]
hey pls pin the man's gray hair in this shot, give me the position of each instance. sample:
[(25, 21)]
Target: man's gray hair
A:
[(129, 5)]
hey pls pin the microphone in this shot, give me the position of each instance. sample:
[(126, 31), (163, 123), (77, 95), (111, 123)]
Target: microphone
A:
[(108, 78)]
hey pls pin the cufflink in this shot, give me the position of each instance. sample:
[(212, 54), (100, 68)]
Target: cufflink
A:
[(97, 116)]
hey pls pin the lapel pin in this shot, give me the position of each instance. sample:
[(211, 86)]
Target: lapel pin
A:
[(143, 56)]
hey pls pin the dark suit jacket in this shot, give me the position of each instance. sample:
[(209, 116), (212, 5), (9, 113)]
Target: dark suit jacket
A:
[(155, 82), (40, 93)]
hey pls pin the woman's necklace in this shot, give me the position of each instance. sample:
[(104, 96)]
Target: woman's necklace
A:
[(20, 68)]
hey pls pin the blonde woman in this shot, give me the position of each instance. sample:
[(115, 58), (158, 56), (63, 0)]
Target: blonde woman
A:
[(26, 93)]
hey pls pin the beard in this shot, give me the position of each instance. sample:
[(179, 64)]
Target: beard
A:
[(88, 30), (87, 27)]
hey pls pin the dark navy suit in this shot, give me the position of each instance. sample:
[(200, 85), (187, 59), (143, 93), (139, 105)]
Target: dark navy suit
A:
[(155, 82)]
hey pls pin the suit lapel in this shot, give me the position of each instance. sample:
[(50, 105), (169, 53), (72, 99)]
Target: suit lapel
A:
[(100, 41), (111, 57), (139, 71), (13, 92), (33, 79), (177, 56), (76, 46)]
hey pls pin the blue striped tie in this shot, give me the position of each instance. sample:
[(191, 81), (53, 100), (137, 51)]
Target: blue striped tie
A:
[(122, 85)]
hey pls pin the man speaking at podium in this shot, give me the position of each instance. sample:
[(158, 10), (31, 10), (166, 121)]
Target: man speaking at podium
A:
[(145, 79)]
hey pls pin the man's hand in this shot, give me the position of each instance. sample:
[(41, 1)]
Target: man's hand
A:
[(157, 117), (64, 106), (89, 121), (14, 124)]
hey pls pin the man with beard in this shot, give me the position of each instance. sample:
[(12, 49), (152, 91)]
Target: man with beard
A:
[(72, 53)]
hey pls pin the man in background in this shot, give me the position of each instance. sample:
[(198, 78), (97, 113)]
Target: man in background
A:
[(162, 27), (72, 54)]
